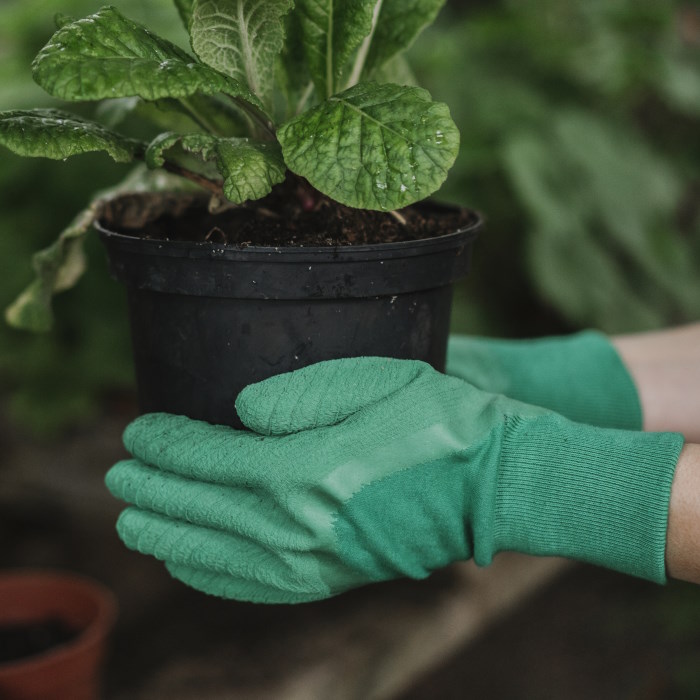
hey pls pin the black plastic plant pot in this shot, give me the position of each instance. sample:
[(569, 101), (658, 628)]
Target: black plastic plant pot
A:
[(208, 319)]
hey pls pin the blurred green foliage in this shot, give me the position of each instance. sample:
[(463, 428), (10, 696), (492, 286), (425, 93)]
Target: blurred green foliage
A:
[(55, 380), (579, 123), (677, 611)]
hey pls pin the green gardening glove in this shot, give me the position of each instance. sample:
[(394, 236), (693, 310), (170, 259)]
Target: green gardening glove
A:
[(580, 376), (370, 469)]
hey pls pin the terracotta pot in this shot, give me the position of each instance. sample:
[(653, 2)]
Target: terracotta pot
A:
[(70, 671)]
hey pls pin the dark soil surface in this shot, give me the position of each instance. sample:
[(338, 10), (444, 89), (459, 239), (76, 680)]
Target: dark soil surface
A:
[(19, 641), (297, 217)]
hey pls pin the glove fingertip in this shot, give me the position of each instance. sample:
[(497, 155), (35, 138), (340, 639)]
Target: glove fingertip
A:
[(257, 405), (114, 479), (144, 426), (124, 528), (322, 394)]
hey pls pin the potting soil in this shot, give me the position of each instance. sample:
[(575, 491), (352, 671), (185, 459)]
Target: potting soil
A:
[(300, 217)]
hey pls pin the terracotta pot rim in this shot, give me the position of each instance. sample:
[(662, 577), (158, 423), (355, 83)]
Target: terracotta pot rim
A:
[(96, 631)]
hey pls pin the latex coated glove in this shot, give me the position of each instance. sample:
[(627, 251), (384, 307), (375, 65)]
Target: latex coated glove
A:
[(370, 469), (580, 376)]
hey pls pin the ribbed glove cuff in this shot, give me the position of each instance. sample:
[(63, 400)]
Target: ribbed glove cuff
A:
[(591, 494)]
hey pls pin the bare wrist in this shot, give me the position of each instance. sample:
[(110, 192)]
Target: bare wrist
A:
[(683, 534)]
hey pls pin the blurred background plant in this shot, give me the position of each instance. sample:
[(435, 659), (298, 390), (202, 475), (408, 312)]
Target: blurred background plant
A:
[(56, 380), (579, 123)]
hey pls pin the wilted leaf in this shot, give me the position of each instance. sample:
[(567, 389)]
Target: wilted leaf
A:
[(59, 266)]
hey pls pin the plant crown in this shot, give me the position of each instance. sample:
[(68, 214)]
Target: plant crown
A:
[(310, 86)]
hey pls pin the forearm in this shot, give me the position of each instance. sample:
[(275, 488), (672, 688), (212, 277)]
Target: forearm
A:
[(665, 367), (683, 535)]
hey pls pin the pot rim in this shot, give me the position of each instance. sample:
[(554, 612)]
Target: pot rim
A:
[(463, 234)]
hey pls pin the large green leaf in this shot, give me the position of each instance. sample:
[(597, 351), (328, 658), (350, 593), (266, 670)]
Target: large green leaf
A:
[(398, 23), (332, 30), (241, 38), (50, 133), (107, 55), (249, 168), (373, 146)]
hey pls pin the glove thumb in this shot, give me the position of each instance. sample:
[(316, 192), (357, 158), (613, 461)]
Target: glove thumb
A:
[(322, 394)]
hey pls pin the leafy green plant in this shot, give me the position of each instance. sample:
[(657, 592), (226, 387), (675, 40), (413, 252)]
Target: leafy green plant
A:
[(273, 90)]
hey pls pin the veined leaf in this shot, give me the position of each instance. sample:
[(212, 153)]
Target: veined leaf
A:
[(398, 23), (107, 55), (50, 133), (373, 146), (332, 30), (61, 265), (184, 8), (249, 168), (203, 145), (241, 38)]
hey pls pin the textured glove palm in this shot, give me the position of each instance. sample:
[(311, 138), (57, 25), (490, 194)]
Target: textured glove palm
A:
[(370, 469)]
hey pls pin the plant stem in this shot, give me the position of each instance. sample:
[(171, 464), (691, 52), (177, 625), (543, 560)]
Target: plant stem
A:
[(399, 217), (305, 97), (330, 87), (257, 116), (359, 65), (212, 186), (198, 118)]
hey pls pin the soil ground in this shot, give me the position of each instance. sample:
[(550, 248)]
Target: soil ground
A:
[(590, 634), (286, 217)]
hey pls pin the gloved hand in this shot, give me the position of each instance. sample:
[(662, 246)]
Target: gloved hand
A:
[(370, 469), (580, 376)]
